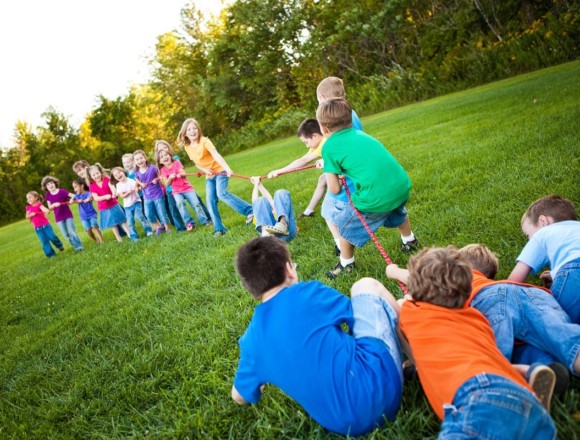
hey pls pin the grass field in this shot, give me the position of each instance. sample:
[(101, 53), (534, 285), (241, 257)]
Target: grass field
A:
[(140, 339)]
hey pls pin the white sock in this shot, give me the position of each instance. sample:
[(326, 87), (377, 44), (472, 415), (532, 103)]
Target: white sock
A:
[(308, 211), (337, 241), (344, 262), (409, 238)]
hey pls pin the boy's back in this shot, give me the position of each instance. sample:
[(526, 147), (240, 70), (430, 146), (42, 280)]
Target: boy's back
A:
[(295, 341), (381, 182)]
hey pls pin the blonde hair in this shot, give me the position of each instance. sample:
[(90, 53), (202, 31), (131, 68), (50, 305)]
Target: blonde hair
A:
[(555, 206), (80, 164), (182, 138), (48, 179), (331, 87), (481, 258), (440, 276), (159, 147), (127, 155), (88, 170), (334, 114), (39, 198)]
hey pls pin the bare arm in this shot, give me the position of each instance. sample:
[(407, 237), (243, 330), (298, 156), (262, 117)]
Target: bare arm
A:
[(333, 183), (260, 188), (394, 272), (300, 162), (520, 272), (219, 159)]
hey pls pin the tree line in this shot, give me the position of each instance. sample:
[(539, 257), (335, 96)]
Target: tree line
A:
[(250, 74)]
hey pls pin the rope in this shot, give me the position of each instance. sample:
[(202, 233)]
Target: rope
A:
[(370, 232), (240, 176)]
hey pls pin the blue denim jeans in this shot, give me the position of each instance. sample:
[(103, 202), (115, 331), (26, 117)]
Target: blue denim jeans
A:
[(67, 227), (173, 213), (493, 407), (331, 208), (216, 188), (283, 207), (195, 202), (155, 210), (530, 315), (136, 211), (566, 289), (46, 236)]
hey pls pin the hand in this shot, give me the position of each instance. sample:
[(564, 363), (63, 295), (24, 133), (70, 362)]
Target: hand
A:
[(319, 163), (546, 278), (209, 173), (56, 205), (255, 180), (389, 270), (229, 172), (172, 176), (108, 196), (273, 174)]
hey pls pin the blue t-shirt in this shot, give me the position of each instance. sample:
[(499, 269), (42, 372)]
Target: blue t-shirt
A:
[(295, 341), (553, 245), (86, 210)]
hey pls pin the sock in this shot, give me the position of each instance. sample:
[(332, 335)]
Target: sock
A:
[(409, 238), (337, 242), (345, 263), (308, 211)]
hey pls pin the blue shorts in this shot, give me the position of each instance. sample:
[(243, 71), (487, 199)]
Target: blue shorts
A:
[(353, 231), (331, 208), (375, 318), (90, 223)]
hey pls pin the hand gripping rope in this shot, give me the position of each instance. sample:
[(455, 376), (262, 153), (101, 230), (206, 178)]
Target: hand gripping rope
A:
[(370, 232), (239, 176)]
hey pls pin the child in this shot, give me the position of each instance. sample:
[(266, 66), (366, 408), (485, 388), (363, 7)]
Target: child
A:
[(147, 176), (551, 226), (127, 189), (79, 167), (87, 212), (273, 216), (58, 199), (350, 383), (207, 159), (103, 192), (36, 213), (382, 185), (174, 177), (469, 384)]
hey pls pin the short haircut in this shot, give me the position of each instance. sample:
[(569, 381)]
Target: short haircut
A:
[(81, 182), (331, 87), (48, 179), (481, 258), (555, 206), (261, 264), (439, 276), (127, 155), (334, 114), (182, 138), (80, 164), (308, 128)]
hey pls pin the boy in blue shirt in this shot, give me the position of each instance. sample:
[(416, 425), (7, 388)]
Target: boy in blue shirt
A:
[(348, 382), (382, 185)]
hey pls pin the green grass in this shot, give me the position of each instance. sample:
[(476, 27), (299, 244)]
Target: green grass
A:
[(141, 339)]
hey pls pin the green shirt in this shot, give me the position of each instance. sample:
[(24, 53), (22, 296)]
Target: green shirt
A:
[(381, 182)]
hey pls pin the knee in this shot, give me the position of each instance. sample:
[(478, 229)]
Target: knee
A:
[(367, 285)]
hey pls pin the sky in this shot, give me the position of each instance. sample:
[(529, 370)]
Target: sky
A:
[(64, 53)]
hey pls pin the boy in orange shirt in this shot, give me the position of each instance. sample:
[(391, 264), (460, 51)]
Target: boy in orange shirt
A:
[(468, 382)]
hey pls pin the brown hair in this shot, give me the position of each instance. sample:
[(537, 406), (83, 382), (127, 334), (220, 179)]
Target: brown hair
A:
[(80, 164), (81, 182), (182, 138), (308, 128), (96, 166), (334, 114), (261, 264), (48, 179), (35, 194), (121, 170), (481, 258), (439, 276), (555, 206), (331, 87)]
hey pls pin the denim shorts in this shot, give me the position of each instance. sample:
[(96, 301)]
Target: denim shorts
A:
[(493, 407), (90, 223), (331, 208), (375, 318), (353, 231)]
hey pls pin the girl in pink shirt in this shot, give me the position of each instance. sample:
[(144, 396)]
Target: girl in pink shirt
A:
[(36, 213), (174, 175), (112, 216)]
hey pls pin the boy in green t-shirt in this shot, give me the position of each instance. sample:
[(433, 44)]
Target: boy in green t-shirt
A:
[(382, 185)]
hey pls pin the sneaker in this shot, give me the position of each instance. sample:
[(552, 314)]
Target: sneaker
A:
[(409, 247), (190, 227), (278, 229), (304, 215), (249, 218), (339, 269), (218, 233), (160, 230), (542, 380), (149, 234), (209, 224), (562, 379), (336, 251)]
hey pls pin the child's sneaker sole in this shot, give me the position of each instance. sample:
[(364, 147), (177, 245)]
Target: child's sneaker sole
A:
[(542, 381)]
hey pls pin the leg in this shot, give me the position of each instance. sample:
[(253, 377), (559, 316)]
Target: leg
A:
[(75, 240), (197, 205), (142, 219), (317, 195), (130, 213), (405, 228), (263, 213), (212, 202), (284, 209), (115, 230), (173, 214), (43, 237), (183, 212), (565, 288), (53, 238), (63, 230), (91, 235), (98, 235), (234, 202), (161, 212)]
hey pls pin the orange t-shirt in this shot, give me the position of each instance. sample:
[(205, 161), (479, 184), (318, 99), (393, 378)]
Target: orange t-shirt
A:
[(451, 346), (480, 281), (201, 156)]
